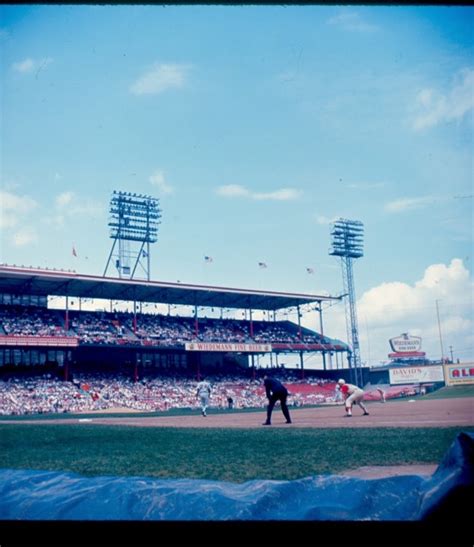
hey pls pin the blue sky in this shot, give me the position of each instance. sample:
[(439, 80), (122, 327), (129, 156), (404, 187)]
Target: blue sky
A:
[(256, 126)]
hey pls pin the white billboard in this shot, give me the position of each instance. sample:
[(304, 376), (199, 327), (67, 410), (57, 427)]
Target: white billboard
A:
[(225, 347), (416, 375), (405, 343)]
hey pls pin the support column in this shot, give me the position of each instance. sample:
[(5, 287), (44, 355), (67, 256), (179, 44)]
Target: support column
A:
[(321, 329), (251, 325), (353, 377), (196, 323), (302, 365), (135, 368), (134, 317), (198, 366), (66, 318), (299, 322), (253, 366)]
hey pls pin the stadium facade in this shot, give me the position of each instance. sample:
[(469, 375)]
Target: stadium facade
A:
[(34, 334)]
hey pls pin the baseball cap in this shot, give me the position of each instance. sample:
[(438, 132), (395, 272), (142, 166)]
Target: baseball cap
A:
[(341, 381)]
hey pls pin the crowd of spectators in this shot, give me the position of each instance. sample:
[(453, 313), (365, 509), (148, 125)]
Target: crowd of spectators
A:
[(118, 328), (92, 392), (21, 321), (87, 392), (98, 328)]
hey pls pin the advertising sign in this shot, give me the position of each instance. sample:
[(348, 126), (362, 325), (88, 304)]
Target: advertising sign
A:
[(416, 375), (50, 341), (405, 343), (210, 346), (460, 373)]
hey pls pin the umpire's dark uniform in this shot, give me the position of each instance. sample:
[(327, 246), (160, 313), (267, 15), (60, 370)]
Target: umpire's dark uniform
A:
[(276, 391)]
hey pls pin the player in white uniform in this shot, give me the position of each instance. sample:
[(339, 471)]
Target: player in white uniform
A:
[(338, 398), (203, 392), (353, 395)]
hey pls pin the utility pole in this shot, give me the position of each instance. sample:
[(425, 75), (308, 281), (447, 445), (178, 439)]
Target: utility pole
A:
[(439, 329), (451, 352)]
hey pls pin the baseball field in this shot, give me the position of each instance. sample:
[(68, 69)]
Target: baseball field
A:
[(233, 445)]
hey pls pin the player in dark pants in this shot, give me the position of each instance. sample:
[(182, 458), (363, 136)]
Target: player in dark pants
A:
[(276, 391)]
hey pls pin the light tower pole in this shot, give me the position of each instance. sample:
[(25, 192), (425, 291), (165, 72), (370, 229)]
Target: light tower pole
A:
[(347, 243), (134, 220)]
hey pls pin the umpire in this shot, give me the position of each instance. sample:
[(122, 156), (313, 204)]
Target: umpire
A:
[(276, 391)]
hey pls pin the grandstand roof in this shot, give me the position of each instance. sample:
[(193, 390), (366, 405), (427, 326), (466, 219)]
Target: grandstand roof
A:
[(39, 282)]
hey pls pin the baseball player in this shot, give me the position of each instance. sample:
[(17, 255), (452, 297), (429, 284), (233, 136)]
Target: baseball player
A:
[(352, 394), (338, 398), (275, 391), (203, 393)]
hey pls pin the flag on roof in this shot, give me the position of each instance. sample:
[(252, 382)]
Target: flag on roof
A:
[(208, 259), (310, 270), (262, 265), (74, 250)]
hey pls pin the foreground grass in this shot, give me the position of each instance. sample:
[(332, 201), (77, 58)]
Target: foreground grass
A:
[(217, 454)]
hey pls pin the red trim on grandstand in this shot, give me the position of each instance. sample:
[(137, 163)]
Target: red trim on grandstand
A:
[(54, 341)]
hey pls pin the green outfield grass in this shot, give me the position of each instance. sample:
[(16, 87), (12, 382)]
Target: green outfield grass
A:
[(217, 454), (451, 392)]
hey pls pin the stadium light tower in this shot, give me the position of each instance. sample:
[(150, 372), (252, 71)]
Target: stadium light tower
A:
[(347, 243), (133, 223)]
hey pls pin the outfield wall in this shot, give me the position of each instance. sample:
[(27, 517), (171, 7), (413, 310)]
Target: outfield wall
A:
[(456, 374)]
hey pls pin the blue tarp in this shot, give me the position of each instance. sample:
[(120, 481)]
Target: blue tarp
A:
[(43, 495)]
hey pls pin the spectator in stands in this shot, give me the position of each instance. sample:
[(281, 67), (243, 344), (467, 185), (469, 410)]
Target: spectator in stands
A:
[(352, 394), (275, 391), (230, 403), (203, 393)]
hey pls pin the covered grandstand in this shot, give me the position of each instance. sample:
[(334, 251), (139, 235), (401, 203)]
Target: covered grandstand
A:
[(32, 333)]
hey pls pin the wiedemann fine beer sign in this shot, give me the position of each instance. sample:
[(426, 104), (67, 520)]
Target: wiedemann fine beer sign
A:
[(209, 346), (405, 343)]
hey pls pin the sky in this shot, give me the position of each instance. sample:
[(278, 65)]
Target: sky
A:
[(256, 127)]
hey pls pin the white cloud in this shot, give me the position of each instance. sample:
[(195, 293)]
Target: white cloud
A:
[(395, 307), (30, 65), (434, 107), (409, 204), (235, 190), (159, 78), (158, 179), (64, 199), (352, 21), (13, 208), (284, 194), (68, 205), (24, 236), (321, 219)]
